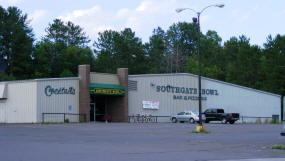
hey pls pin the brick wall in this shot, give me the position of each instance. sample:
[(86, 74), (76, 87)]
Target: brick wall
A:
[(84, 91), (117, 105)]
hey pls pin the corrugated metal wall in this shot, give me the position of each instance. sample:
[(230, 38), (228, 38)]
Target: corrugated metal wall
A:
[(104, 78), (247, 102), (57, 103), (20, 105), (146, 91), (232, 98)]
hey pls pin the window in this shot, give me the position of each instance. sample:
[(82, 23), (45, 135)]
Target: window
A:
[(220, 111), (181, 113)]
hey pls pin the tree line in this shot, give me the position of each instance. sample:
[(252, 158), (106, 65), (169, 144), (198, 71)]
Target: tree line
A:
[(65, 46)]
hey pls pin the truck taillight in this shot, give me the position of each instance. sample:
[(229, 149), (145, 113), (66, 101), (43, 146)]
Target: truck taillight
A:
[(231, 115), (198, 115)]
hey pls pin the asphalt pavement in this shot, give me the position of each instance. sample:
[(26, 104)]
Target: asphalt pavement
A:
[(139, 142)]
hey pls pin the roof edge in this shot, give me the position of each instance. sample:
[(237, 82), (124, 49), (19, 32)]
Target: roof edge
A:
[(40, 79), (206, 78)]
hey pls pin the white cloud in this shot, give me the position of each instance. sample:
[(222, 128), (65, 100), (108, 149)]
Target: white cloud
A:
[(82, 13), (7, 3), (205, 18), (240, 16), (123, 12), (144, 6), (256, 8), (38, 16), (142, 19), (93, 20)]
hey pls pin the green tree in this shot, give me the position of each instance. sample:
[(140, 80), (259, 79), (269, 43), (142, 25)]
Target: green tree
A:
[(5, 77), (62, 50), (74, 56), (67, 34), (66, 73), (212, 71), (156, 51), (120, 50), (243, 65), (16, 42), (181, 42), (212, 61), (273, 60)]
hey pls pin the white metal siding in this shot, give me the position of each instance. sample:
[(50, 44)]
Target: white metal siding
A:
[(232, 98), (58, 103), (20, 105), (246, 102), (167, 105)]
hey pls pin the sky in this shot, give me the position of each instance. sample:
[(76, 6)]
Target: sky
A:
[(256, 19)]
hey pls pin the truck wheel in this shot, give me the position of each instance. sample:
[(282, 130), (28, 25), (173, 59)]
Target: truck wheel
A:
[(174, 120), (207, 121), (191, 121), (232, 122), (224, 121)]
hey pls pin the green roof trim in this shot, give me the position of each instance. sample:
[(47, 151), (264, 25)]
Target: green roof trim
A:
[(107, 89)]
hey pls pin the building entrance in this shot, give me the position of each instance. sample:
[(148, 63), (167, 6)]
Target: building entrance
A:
[(98, 108), (107, 100), (92, 111)]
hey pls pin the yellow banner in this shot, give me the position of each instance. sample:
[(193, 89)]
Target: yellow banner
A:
[(108, 91)]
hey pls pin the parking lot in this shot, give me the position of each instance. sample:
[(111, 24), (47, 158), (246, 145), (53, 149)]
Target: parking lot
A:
[(138, 141)]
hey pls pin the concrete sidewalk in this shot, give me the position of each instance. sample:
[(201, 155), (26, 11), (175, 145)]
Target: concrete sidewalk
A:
[(263, 159)]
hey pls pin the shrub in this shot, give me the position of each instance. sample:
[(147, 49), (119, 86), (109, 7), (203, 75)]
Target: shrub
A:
[(45, 123), (258, 121), (276, 122), (267, 121), (66, 121), (202, 131), (279, 146)]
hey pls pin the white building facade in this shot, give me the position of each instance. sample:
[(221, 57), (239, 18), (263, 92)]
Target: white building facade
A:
[(118, 97), (173, 93), (30, 101)]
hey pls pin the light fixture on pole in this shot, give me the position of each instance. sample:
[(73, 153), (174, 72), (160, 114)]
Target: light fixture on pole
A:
[(197, 20)]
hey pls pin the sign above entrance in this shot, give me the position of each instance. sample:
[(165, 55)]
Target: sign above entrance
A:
[(107, 89)]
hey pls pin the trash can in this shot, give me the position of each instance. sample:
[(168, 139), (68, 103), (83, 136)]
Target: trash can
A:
[(275, 118)]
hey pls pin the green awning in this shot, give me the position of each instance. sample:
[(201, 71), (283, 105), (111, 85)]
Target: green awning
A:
[(107, 89)]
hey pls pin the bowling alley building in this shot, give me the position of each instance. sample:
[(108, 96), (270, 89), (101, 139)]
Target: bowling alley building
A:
[(116, 97)]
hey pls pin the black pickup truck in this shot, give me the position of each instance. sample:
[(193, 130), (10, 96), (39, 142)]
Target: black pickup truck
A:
[(215, 114)]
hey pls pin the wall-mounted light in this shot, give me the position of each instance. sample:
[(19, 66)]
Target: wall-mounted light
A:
[(152, 84)]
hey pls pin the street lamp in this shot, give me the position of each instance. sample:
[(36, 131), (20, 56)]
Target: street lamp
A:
[(178, 10)]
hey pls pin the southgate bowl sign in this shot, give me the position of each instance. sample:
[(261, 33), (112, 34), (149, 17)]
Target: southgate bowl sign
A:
[(49, 91), (184, 93)]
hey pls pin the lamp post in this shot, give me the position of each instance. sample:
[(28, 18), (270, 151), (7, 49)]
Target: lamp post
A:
[(197, 20)]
